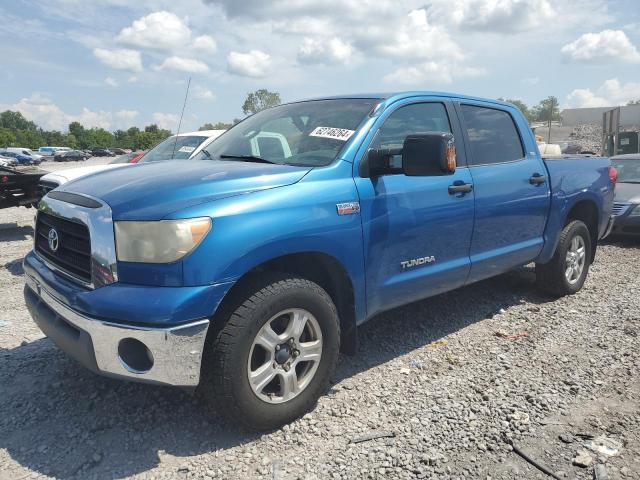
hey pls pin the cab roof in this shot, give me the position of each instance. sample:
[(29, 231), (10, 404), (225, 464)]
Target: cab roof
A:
[(391, 97)]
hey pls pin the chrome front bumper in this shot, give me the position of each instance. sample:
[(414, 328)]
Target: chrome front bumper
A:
[(174, 354)]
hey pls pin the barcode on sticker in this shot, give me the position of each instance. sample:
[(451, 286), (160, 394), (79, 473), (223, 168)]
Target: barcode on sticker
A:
[(334, 133), (186, 149)]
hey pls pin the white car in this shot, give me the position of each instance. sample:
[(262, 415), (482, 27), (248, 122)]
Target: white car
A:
[(24, 151), (179, 147)]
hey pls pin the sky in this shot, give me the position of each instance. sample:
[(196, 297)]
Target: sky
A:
[(119, 63)]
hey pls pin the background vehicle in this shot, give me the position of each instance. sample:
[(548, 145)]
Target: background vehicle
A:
[(20, 157), (161, 152), (18, 188), (626, 207), (8, 161), (248, 271), (70, 156), (182, 146), (102, 152), (131, 157), (47, 150), (25, 151)]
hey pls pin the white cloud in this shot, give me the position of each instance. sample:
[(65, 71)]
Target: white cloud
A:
[(609, 94), (50, 116), (504, 16), (605, 46), (159, 30), (431, 72), (110, 81), (332, 51), (127, 116), (414, 39), (251, 64), (205, 44), (203, 93), (190, 65), (120, 59), (166, 120)]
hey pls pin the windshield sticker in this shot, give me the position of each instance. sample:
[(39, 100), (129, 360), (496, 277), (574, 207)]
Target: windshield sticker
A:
[(187, 149), (335, 133)]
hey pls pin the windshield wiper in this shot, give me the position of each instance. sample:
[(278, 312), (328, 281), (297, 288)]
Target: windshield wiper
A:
[(248, 158), (207, 154)]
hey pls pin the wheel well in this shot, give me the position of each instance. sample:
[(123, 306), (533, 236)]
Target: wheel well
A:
[(320, 268), (587, 212)]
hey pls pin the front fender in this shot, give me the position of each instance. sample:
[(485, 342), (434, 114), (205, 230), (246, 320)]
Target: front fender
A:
[(250, 230)]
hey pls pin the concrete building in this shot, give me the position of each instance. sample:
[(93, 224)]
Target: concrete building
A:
[(629, 116)]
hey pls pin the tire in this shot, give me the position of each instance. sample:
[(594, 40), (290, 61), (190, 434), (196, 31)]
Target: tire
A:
[(233, 348), (553, 277)]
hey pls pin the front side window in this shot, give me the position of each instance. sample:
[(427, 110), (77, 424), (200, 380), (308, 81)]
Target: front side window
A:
[(493, 136), (309, 133), (410, 120)]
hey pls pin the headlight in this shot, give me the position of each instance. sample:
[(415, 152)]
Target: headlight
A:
[(635, 212), (163, 241)]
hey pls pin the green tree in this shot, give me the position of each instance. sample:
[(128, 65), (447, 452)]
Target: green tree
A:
[(216, 126), (260, 100), (7, 137), (633, 102), (547, 110), (16, 121), (520, 105)]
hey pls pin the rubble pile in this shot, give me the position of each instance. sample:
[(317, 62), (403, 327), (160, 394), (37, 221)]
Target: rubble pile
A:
[(588, 136)]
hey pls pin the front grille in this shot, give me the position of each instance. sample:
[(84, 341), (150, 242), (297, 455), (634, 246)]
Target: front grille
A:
[(619, 209), (73, 255), (45, 186)]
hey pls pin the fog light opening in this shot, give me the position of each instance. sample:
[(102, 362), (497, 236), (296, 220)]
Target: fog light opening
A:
[(134, 355)]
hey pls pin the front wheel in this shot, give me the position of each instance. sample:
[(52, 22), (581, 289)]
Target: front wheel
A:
[(567, 271), (273, 358)]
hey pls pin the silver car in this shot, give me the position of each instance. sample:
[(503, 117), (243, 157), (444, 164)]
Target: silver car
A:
[(626, 206)]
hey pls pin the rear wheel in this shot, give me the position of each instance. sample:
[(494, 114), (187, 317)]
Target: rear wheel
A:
[(275, 354), (567, 271)]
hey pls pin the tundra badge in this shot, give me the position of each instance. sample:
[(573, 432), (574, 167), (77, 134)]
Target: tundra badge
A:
[(417, 262)]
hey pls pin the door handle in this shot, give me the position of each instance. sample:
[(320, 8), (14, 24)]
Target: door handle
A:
[(460, 188), (537, 179)]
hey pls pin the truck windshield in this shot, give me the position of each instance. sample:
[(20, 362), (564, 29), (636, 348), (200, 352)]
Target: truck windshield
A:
[(628, 170), (307, 133), (172, 148)]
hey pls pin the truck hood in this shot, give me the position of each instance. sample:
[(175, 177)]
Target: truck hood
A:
[(154, 190), (66, 175), (627, 192)]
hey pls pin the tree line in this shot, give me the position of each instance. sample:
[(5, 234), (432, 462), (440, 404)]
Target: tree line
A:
[(17, 131)]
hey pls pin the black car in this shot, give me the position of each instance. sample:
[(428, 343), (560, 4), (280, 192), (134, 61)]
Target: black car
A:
[(102, 152), (626, 204), (69, 156)]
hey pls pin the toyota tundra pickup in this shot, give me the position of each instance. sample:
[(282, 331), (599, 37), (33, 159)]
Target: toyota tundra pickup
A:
[(245, 273)]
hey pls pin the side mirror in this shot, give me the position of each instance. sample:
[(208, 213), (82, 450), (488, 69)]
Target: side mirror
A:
[(429, 154), (380, 161)]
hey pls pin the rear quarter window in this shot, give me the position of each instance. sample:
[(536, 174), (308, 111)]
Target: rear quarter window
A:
[(493, 135)]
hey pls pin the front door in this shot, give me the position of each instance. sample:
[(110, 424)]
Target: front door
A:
[(416, 233)]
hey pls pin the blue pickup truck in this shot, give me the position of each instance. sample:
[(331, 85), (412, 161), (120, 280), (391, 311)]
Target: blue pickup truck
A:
[(246, 271)]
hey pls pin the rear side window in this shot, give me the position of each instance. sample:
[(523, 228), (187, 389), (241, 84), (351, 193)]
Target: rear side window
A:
[(493, 135)]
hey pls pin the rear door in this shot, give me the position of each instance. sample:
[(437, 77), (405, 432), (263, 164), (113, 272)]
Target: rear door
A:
[(512, 195), (416, 234)]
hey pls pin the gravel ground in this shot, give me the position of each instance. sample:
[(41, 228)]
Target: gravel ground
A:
[(457, 380)]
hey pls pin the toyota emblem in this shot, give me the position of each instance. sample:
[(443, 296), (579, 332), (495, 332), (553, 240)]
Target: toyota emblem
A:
[(53, 240)]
